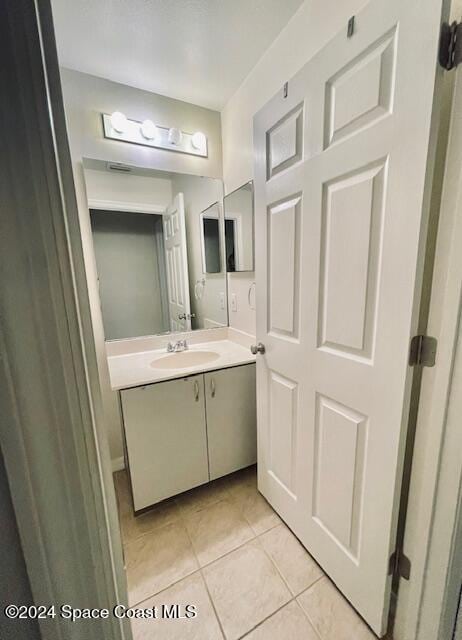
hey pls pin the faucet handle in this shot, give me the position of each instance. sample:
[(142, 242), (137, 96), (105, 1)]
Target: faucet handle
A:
[(170, 347)]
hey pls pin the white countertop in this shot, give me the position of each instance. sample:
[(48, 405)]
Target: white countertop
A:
[(134, 369)]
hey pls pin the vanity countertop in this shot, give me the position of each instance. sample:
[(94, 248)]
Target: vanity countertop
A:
[(135, 369)]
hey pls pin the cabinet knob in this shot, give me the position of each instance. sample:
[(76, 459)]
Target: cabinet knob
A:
[(212, 387), (196, 391), (258, 348)]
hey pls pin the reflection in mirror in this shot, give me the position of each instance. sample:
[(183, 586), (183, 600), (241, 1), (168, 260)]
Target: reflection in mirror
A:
[(239, 244), (210, 231), (158, 257)]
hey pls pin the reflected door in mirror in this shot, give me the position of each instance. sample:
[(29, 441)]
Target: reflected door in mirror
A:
[(176, 261)]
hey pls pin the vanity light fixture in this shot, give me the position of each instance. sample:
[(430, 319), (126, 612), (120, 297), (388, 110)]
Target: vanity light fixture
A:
[(119, 121), (118, 127), (174, 135), (198, 140), (148, 130)]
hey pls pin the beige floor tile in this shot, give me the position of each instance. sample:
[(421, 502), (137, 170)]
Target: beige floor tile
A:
[(160, 515), (203, 496), (157, 560), (189, 591), (216, 530), (289, 623), (296, 565), (331, 615), (245, 589), (255, 509)]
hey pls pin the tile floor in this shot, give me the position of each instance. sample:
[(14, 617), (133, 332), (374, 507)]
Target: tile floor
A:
[(222, 548)]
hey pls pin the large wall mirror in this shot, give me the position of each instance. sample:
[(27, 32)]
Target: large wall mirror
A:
[(159, 248), (239, 236)]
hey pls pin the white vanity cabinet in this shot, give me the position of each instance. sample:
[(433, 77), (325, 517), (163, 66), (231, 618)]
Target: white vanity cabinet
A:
[(184, 432), (231, 419), (166, 438)]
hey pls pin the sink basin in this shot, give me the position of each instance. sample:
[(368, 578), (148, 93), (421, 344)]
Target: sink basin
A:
[(184, 359)]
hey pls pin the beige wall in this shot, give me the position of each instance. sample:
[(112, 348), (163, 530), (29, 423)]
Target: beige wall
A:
[(314, 24), (127, 187), (85, 98)]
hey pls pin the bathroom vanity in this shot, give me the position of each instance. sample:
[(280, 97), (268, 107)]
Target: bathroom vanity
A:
[(164, 243), (188, 417)]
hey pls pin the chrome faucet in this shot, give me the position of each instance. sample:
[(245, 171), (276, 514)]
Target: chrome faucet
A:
[(180, 345)]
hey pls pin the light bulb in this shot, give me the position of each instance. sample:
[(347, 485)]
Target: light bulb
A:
[(148, 130), (198, 140), (174, 136), (118, 121)]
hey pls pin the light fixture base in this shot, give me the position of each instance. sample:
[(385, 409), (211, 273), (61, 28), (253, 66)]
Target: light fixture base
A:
[(133, 135)]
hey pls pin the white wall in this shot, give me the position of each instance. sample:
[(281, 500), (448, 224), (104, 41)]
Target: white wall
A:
[(314, 24), (85, 98)]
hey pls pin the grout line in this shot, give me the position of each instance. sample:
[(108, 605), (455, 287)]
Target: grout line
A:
[(213, 604), (207, 564), (196, 570), (265, 619), (192, 546), (295, 595), (158, 593), (181, 521), (206, 585), (199, 566), (276, 567), (134, 538), (257, 535), (315, 631), (312, 623)]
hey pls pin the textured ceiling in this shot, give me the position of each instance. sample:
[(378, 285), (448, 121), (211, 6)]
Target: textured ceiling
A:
[(194, 50)]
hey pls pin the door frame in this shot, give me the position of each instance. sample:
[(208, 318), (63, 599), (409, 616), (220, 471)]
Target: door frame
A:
[(125, 207), (427, 603), (60, 482)]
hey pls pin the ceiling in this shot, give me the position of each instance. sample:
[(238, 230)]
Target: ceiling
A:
[(198, 51)]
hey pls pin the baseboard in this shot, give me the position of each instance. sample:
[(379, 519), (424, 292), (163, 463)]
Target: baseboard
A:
[(118, 464)]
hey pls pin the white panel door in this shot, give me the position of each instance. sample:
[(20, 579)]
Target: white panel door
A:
[(340, 227), (176, 264)]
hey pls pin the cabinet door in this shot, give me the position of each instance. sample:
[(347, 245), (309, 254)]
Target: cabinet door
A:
[(166, 438), (231, 419)]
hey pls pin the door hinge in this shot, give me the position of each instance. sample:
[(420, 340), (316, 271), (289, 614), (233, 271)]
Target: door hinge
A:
[(399, 565), (423, 351), (450, 52)]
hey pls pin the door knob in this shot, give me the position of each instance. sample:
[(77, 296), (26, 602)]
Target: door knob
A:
[(258, 348), (181, 316)]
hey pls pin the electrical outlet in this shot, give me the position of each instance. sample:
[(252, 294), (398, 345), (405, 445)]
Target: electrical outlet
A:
[(222, 300), (233, 302)]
